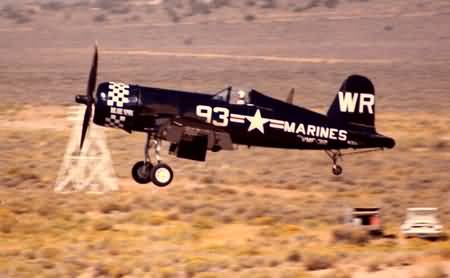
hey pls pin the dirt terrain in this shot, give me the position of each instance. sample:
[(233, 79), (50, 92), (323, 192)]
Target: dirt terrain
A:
[(248, 213)]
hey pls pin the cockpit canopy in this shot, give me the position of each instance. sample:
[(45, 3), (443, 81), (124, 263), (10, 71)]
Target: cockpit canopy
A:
[(252, 97), (233, 96)]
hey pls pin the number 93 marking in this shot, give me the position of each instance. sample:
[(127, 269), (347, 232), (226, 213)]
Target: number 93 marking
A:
[(220, 115)]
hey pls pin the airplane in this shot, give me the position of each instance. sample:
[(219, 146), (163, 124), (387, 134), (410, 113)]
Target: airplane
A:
[(195, 123)]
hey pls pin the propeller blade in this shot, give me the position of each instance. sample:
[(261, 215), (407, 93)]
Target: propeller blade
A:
[(89, 98), (87, 119), (92, 76)]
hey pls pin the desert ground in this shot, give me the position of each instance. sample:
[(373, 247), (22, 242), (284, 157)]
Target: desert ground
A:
[(248, 213)]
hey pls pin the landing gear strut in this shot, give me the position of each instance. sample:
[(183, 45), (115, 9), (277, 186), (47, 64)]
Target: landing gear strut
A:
[(335, 156), (145, 172)]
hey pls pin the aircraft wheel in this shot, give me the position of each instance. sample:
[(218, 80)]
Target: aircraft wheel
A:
[(141, 172), (162, 175), (337, 170)]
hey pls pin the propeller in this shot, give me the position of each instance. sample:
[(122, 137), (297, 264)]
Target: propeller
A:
[(88, 99)]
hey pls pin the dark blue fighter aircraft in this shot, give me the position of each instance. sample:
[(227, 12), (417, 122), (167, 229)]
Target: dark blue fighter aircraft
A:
[(194, 123)]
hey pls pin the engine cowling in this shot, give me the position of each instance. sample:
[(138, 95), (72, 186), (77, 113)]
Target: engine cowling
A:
[(116, 105)]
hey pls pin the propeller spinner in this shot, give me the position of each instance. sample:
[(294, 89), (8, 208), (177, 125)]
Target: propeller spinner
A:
[(88, 99)]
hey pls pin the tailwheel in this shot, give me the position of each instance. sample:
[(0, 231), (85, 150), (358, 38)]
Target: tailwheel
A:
[(141, 172), (161, 175), (335, 155), (337, 170)]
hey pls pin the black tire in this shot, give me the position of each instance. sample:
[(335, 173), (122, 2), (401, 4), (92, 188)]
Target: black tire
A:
[(337, 170), (162, 175), (141, 172)]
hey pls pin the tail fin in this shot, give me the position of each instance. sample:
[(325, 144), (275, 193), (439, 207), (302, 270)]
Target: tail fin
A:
[(354, 104)]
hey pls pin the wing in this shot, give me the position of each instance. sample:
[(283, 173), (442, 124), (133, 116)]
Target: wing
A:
[(193, 142)]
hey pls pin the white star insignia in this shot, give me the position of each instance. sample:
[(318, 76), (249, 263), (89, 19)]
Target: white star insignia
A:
[(257, 122)]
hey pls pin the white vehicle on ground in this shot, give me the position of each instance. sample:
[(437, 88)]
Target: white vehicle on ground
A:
[(422, 223)]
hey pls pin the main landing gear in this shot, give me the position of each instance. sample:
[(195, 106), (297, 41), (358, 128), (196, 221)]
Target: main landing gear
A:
[(335, 156), (144, 172)]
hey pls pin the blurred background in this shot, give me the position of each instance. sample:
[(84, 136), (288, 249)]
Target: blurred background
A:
[(248, 213)]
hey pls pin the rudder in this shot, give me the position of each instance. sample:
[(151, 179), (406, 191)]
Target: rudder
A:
[(354, 104)]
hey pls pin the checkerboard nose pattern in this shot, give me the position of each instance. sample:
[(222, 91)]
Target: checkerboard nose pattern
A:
[(117, 98), (115, 121), (118, 94)]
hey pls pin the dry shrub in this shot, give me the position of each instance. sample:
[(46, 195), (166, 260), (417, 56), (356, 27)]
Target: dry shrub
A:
[(247, 262), (15, 13), (386, 243), (157, 218), (74, 265), (441, 145), (19, 176), (46, 209), (118, 270), (203, 223), (249, 17), (294, 273), (279, 230), (312, 4), (187, 208), (196, 265), (226, 217), (188, 41), (249, 250), (7, 221), (263, 220), (173, 216), (208, 211), (52, 6), (110, 5), (436, 271), (258, 209), (102, 225), (111, 206), (50, 253), (273, 262), (293, 256), (143, 217), (199, 7), (20, 206), (100, 18), (444, 253), (331, 4), (374, 265), (29, 254), (208, 275), (257, 273), (317, 262), (46, 264), (269, 4), (10, 252), (250, 3), (220, 3), (336, 273), (167, 272), (400, 260), (352, 235), (172, 14)]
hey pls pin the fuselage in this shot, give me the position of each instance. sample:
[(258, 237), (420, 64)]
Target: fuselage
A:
[(263, 121)]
